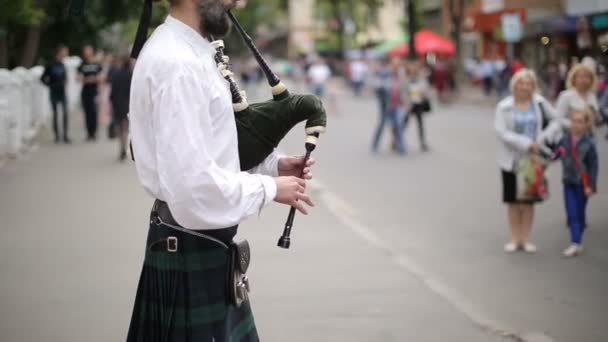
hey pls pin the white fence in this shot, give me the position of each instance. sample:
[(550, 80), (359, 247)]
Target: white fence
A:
[(25, 105)]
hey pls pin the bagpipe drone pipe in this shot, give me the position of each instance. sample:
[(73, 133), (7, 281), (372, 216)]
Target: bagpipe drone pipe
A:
[(261, 126)]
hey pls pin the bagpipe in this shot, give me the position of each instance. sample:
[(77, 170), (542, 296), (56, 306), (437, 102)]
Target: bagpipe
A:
[(260, 126)]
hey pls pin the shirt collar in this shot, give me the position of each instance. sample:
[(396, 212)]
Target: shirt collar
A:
[(198, 42)]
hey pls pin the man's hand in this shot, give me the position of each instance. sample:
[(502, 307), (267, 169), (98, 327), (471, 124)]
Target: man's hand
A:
[(589, 192), (534, 148), (292, 166), (290, 191)]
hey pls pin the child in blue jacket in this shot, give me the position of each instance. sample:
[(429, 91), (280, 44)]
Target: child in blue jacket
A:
[(580, 169)]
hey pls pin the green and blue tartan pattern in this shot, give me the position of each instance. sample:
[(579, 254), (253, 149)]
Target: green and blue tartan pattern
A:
[(181, 297)]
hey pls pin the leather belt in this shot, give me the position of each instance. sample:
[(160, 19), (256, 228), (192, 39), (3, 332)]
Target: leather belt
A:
[(162, 218)]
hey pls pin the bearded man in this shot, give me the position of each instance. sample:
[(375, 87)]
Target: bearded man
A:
[(184, 139)]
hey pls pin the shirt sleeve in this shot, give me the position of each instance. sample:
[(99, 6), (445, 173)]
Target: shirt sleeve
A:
[(592, 166), (562, 107), (200, 194), (551, 133), (270, 165)]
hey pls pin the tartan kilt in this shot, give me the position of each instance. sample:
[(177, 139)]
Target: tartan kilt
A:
[(181, 296)]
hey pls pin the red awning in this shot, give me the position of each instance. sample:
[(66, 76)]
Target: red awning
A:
[(426, 41)]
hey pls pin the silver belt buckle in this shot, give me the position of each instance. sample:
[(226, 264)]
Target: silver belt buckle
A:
[(172, 244)]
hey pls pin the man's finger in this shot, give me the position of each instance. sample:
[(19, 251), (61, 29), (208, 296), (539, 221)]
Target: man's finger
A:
[(300, 207), (301, 189), (311, 162), (296, 160), (304, 197), (300, 182), (308, 176)]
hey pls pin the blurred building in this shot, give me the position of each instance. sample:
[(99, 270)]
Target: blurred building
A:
[(552, 29), (388, 25), (301, 27)]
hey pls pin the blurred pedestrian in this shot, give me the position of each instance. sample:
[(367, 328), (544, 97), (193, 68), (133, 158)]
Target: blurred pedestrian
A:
[(418, 99), (358, 73), (579, 175), (116, 65), (562, 68), (381, 82), (441, 79), (318, 74), (552, 80), (89, 72), (486, 70), (55, 77), (103, 99), (395, 111), (603, 106), (580, 92), (524, 122), (516, 65), (504, 72), (120, 84)]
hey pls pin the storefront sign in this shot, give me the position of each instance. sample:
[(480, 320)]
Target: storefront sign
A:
[(599, 21), (511, 28), (582, 7)]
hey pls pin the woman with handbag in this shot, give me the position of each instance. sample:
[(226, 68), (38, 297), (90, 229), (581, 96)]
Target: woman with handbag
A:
[(418, 99), (522, 131)]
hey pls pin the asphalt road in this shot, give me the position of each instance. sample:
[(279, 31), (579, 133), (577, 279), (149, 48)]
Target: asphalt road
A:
[(397, 249)]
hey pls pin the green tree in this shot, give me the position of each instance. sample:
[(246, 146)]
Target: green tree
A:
[(345, 19), (28, 27), (259, 18), (456, 8), (15, 13), (31, 29)]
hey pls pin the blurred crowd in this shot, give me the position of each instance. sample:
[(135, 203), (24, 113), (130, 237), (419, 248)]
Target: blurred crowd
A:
[(104, 96), (533, 132)]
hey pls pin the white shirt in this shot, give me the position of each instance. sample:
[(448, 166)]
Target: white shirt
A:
[(358, 70), (184, 134), (319, 73), (514, 145), (570, 99)]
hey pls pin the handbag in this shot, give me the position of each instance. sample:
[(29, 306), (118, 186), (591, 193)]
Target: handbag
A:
[(584, 174), (531, 183), (425, 105)]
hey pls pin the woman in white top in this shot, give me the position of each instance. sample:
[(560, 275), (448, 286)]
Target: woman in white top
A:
[(580, 92), (524, 122), (418, 99)]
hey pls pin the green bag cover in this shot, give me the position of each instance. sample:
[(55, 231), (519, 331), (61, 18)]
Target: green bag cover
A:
[(263, 125)]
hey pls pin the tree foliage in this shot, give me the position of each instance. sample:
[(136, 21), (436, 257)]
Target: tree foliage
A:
[(345, 19), (19, 12), (56, 26)]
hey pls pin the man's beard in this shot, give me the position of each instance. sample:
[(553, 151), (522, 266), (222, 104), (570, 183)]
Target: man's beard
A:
[(214, 20)]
